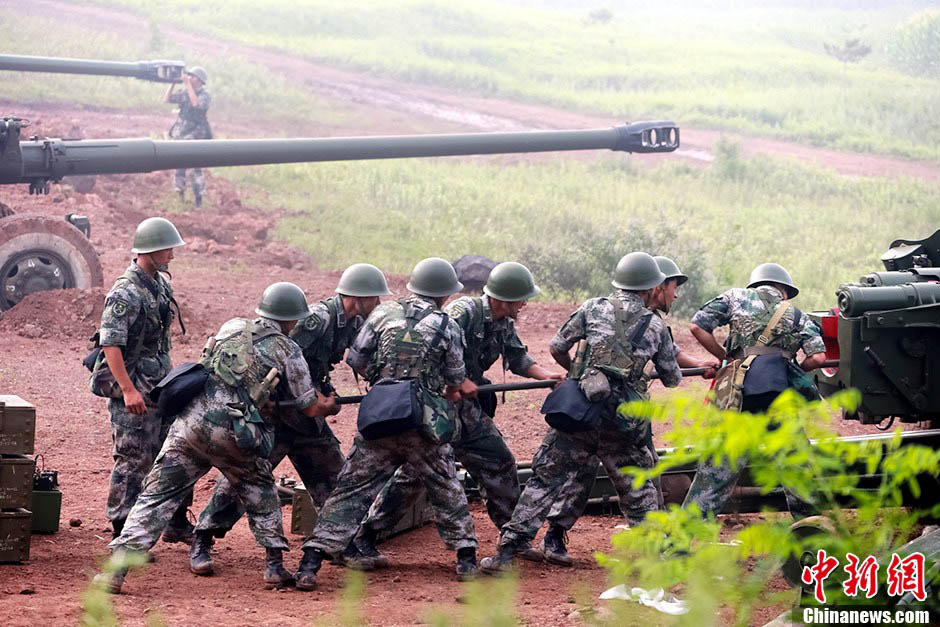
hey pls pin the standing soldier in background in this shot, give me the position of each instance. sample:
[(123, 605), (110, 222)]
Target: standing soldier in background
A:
[(311, 446), (767, 330), (489, 333), (223, 427), (191, 123), (134, 337), (410, 342), (622, 335)]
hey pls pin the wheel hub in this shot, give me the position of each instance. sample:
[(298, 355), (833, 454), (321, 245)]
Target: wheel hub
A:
[(33, 271)]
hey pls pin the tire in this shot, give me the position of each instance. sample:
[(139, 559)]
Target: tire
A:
[(42, 252)]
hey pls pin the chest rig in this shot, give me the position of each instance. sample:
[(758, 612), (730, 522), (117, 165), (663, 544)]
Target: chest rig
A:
[(613, 354), (406, 353)]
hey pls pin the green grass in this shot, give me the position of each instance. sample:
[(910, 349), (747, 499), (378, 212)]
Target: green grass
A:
[(572, 220), (725, 66), (239, 87)]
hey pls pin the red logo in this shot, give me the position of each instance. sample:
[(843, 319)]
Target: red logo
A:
[(862, 576), (907, 575), (817, 574)]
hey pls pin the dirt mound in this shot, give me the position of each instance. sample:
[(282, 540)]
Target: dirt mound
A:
[(56, 314)]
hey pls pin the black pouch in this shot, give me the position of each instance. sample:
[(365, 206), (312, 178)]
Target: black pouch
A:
[(487, 400), (390, 408), (768, 373), (91, 358), (178, 388), (567, 409)]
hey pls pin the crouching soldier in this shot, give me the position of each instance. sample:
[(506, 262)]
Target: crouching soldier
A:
[(223, 427)]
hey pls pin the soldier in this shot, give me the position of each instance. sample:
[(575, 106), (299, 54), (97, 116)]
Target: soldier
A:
[(311, 446), (413, 342), (191, 123), (488, 326), (622, 335), (222, 427), (747, 312), (134, 337)]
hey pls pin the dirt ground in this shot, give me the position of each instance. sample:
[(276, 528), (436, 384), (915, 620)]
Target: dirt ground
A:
[(221, 274)]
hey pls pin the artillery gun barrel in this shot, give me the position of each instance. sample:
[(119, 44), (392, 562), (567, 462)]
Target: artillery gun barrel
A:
[(157, 71), (854, 300), (45, 160), (899, 277)]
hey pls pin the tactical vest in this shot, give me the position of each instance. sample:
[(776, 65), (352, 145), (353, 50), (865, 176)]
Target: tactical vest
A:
[(157, 315), (737, 343), (614, 355), (480, 354), (407, 353)]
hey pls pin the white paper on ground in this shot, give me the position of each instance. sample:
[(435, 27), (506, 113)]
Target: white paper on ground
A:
[(657, 599)]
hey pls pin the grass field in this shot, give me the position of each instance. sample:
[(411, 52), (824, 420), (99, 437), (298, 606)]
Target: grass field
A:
[(572, 220), (727, 65)]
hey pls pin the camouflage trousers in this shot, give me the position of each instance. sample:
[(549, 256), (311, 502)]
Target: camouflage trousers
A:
[(481, 450), (369, 466), (563, 471), (317, 460), (136, 440), (199, 181), (193, 446), (713, 484)]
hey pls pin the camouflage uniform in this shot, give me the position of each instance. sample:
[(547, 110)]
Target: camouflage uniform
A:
[(480, 447), (137, 313), (371, 463), (310, 444), (203, 436), (565, 464), (747, 311), (191, 123)]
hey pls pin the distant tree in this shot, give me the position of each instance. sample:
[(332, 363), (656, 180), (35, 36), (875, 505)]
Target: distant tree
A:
[(852, 51), (600, 16), (915, 47)]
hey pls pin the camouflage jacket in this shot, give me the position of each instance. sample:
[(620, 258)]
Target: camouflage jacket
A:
[(486, 339), (324, 336), (748, 310), (192, 121), (372, 353), (595, 322), (137, 316)]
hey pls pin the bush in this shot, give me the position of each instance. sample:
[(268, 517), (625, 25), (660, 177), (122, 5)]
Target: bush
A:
[(915, 47)]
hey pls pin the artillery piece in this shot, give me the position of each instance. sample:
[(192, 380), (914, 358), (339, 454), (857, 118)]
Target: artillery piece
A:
[(885, 335)]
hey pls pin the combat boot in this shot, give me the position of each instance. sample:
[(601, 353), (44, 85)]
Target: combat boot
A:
[(180, 529), (197, 200), (553, 547), (502, 561), (365, 543), (275, 575), (531, 553), (117, 526), (111, 582), (310, 564), (200, 558), (466, 563), (352, 558)]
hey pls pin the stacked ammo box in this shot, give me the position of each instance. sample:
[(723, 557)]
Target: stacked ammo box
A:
[(17, 469)]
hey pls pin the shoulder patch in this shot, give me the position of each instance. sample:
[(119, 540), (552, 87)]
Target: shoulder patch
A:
[(311, 323), (119, 308)]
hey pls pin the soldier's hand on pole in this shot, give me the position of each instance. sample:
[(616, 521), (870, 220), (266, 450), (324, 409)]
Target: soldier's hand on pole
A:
[(711, 369), (326, 405), (467, 389)]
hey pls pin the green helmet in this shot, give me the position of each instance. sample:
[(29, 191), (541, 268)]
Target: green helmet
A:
[(637, 271), (670, 269), (511, 282), (362, 279), (155, 234), (283, 301), (199, 72), (773, 273), (434, 277)]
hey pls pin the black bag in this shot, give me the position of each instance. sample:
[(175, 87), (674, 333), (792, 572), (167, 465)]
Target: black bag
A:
[(567, 409), (487, 400), (91, 358), (390, 408), (178, 388)]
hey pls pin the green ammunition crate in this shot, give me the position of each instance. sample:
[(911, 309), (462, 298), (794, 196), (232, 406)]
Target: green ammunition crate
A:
[(16, 481), (15, 534), (47, 507), (17, 426)]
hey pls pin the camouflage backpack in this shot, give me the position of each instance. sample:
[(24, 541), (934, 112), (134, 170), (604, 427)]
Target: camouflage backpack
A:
[(612, 358), (232, 358)]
